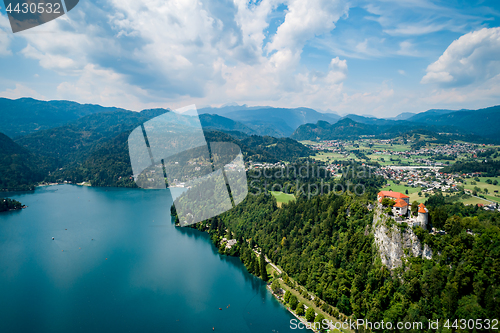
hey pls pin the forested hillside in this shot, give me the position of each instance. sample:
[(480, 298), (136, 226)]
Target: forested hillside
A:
[(343, 129), (7, 204), (74, 142), (326, 244), (487, 169), (19, 169), (26, 115), (108, 163), (481, 122)]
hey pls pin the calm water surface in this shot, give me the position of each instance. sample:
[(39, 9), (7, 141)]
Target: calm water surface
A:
[(118, 264)]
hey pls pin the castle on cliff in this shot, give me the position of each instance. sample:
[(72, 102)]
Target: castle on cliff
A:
[(402, 209)]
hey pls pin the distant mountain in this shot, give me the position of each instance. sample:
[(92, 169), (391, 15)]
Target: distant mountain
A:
[(74, 141), (483, 122), (277, 122), (19, 169), (432, 113), (214, 121), (372, 120), (403, 116), (26, 115), (225, 109), (322, 130), (346, 128)]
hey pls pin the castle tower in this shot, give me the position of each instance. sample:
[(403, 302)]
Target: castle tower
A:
[(423, 216)]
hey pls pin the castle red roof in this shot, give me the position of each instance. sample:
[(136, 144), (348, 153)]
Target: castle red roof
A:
[(392, 194), (400, 203)]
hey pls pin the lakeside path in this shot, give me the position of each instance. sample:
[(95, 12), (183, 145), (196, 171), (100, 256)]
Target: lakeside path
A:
[(307, 303)]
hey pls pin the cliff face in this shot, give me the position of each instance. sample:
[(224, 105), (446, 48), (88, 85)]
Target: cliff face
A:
[(393, 244)]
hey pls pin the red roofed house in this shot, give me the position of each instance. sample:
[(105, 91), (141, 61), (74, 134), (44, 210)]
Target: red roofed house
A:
[(392, 195), (400, 207)]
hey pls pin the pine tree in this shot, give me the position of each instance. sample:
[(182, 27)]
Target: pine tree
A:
[(263, 270), (255, 265)]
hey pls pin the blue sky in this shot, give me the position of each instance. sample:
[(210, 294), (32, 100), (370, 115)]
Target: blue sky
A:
[(378, 58)]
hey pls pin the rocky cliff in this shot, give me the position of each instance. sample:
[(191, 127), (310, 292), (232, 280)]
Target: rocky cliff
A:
[(395, 243)]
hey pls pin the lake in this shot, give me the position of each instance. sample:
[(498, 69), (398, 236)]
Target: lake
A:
[(118, 264)]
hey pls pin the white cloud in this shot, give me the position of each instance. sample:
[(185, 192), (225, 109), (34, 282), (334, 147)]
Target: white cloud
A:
[(184, 52), (474, 57), (407, 48), (337, 71), (103, 87), (5, 38), (402, 72), (305, 20), (21, 91)]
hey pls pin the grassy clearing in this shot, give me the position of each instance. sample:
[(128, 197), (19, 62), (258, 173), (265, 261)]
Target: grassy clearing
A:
[(309, 142), (282, 198), (474, 201), (491, 195), (401, 188), (332, 156)]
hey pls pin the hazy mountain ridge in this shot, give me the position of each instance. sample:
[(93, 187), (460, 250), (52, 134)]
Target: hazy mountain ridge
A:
[(468, 123), (483, 122), (26, 115), (272, 121)]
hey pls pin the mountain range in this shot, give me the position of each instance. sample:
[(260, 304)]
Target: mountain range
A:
[(473, 124), (26, 115), (277, 122), (65, 140)]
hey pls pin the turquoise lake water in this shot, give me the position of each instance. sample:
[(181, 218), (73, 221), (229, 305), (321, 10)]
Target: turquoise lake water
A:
[(121, 266)]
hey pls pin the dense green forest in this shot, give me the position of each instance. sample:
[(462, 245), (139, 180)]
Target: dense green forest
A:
[(487, 169), (8, 204), (20, 170), (94, 148), (108, 163), (332, 254)]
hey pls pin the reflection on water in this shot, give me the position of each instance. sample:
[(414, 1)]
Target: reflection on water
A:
[(117, 263)]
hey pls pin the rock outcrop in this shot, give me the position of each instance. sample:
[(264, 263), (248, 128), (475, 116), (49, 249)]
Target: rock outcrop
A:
[(394, 244)]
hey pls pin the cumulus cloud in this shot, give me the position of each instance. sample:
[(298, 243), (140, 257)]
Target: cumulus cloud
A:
[(193, 51), (471, 58), (305, 20), (104, 87), (5, 39), (407, 48), (20, 91)]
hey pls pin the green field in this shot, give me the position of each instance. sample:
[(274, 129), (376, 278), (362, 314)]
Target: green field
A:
[(474, 201), (412, 191), (482, 185), (332, 156), (364, 147), (282, 198)]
